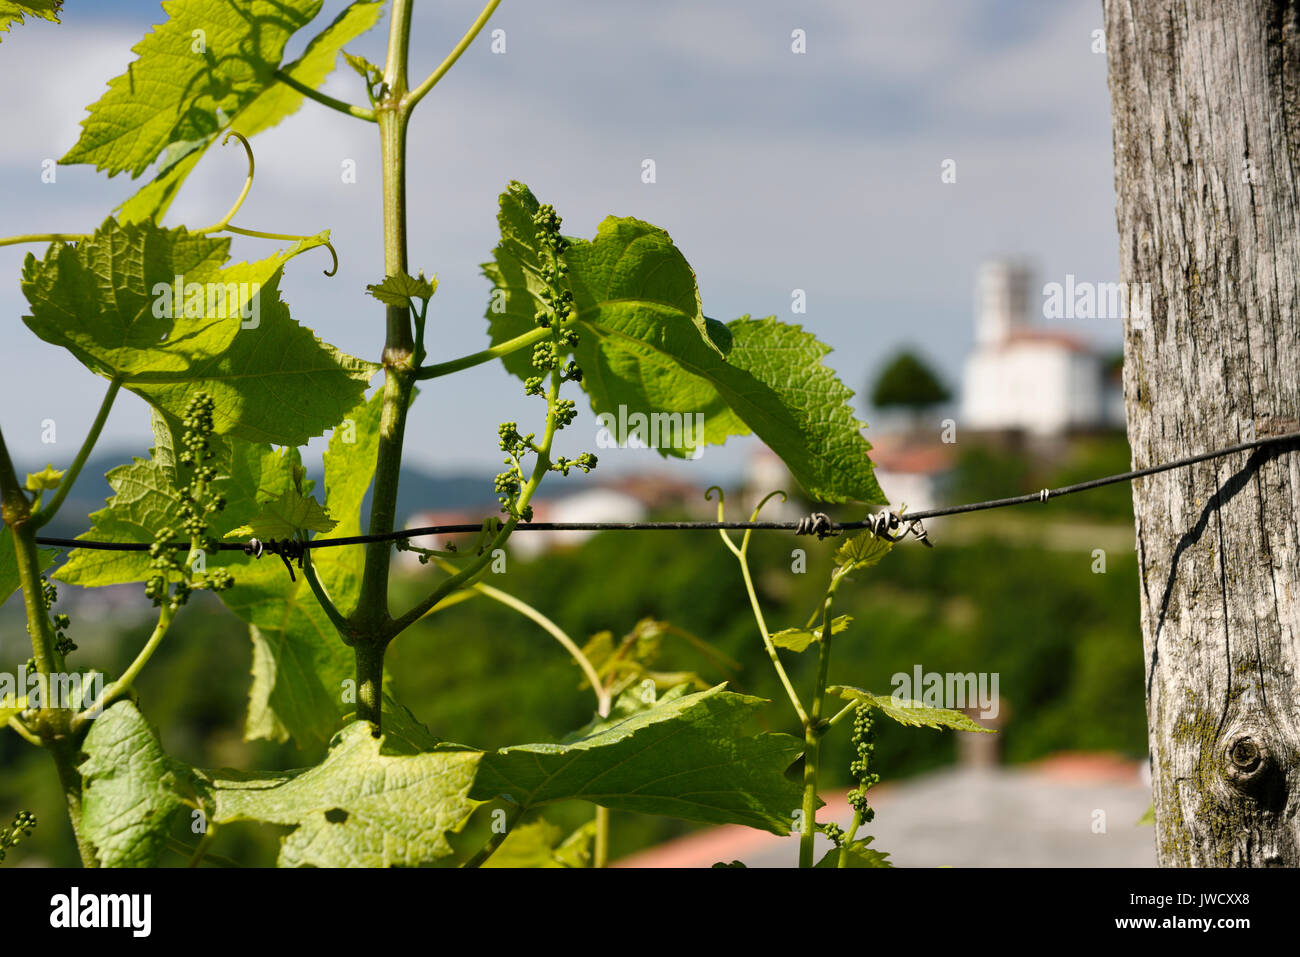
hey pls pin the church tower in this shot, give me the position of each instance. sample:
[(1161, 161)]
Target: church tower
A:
[(1002, 297)]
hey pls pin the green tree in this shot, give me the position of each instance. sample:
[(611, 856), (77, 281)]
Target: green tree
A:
[(907, 382)]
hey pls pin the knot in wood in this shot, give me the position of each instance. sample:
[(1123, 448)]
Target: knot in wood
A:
[(1244, 754), (1247, 760)]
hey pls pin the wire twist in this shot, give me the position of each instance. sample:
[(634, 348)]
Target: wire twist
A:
[(819, 524), (289, 550)]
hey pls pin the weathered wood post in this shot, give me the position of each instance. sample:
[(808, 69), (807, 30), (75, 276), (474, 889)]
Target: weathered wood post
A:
[(1205, 97)]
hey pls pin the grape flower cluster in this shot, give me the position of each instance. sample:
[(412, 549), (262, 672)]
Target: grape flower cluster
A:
[(62, 643), (198, 502), (555, 308), (864, 742), (13, 835)]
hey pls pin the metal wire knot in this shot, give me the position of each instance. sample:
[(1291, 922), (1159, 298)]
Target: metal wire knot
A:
[(288, 549), (819, 524), (886, 524)]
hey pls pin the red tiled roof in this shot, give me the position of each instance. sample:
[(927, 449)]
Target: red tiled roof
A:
[(916, 461), (1048, 337), (907, 455)]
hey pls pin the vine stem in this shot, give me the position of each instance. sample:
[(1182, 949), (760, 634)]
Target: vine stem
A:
[(843, 859), (600, 852), (243, 193), (43, 238), (815, 728), (348, 109), (843, 713), (369, 657), (337, 618), (66, 753), (370, 622), (263, 234), (450, 60), (20, 729), (551, 628), (487, 355), (767, 640), (742, 555), (118, 688), (493, 842), (15, 508), (70, 476)]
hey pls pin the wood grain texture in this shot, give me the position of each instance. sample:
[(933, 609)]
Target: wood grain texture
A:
[(1205, 97)]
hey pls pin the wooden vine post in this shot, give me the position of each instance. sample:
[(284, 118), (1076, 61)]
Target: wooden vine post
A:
[(1205, 97)]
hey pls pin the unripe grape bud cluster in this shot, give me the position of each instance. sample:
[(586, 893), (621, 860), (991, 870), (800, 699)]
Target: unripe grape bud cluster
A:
[(13, 835), (62, 643), (864, 742), (198, 503), (556, 308)]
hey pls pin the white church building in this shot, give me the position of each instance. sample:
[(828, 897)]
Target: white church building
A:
[(1019, 377)]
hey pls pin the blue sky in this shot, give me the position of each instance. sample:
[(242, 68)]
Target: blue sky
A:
[(775, 171)]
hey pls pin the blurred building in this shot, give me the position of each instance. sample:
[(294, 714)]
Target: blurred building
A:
[(912, 468), (1028, 378)]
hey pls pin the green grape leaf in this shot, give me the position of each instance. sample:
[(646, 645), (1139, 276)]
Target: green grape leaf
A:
[(205, 63), (13, 11), (372, 74), (131, 790), (276, 383), (664, 388), (862, 551), (541, 844), (115, 302), (798, 639), (857, 854), (402, 289), (273, 103), (404, 733), (47, 478), (629, 703), (914, 714), (687, 757), (359, 807), (655, 367), (108, 299), (285, 517), (301, 669)]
